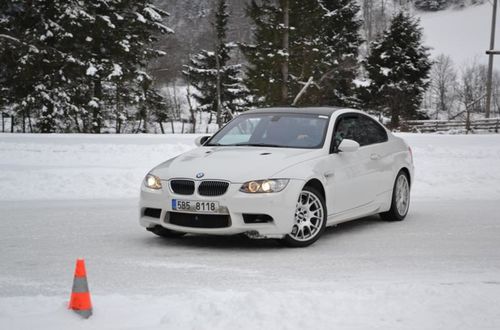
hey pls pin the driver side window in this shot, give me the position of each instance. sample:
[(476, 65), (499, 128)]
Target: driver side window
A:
[(346, 128)]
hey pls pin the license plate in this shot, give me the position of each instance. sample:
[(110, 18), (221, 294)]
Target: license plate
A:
[(195, 206)]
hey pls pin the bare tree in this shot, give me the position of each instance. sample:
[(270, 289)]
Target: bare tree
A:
[(472, 87), (495, 94), (442, 86)]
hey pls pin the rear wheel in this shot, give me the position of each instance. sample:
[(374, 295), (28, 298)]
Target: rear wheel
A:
[(309, 220), (164, 232), (400, 202)]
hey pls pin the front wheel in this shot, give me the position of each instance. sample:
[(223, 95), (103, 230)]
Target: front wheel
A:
[(310, 219), (400, 199)]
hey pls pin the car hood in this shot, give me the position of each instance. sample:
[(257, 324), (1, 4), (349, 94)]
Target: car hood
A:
[(235, 164)]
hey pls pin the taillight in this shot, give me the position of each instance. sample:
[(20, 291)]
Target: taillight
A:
[(411, 154)]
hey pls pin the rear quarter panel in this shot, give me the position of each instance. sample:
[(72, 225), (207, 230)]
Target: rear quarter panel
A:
[(402, 157)]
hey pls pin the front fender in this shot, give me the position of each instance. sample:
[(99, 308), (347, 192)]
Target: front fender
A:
[(306, 171)]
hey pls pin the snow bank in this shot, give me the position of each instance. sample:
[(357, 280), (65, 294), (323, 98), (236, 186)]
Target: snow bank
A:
[(41, 167), (81, 166), (456, 167)]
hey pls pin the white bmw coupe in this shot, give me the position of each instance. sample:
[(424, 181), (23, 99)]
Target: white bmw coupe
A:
[(283, 173)]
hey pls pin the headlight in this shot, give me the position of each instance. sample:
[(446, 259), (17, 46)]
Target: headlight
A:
[(264, 186), (152, 182)]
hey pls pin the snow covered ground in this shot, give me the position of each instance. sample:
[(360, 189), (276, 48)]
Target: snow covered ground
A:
[(64, 197)]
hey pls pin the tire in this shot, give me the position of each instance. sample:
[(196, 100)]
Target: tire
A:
[(166, 233), (310, 219), (400, 201)]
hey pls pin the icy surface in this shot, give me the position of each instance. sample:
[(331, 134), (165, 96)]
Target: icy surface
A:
[(439, 269)]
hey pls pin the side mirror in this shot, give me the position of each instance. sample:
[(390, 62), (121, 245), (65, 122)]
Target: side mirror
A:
[(201, 140), (348, 145)]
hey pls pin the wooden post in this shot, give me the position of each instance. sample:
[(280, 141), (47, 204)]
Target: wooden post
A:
[(467, 121), (490, 60)]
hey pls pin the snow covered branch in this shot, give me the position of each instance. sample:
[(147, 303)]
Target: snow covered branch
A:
[(303, 90), (5, 36)]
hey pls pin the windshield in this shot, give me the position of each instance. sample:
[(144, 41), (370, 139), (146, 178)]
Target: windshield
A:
[(284, 130)]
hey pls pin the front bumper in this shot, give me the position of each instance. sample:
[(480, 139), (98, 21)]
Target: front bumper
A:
[(280, 206)]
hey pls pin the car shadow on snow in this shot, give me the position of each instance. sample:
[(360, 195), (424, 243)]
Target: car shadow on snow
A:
[(358, 226), (355, 226)]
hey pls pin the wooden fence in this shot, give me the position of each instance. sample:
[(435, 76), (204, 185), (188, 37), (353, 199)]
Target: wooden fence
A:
[(429, 126)]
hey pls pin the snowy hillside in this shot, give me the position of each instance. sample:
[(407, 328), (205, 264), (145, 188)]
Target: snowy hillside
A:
[(463, 34), (66, 197)]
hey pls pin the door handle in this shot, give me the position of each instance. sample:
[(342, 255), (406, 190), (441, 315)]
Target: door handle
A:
[(374, 156)]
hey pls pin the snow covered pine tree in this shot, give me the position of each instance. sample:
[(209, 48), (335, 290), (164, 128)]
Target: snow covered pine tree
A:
[(62, 59), (431, 5), (218, 84), (37, 64), (323, 41), (398, 69), (117, 47)]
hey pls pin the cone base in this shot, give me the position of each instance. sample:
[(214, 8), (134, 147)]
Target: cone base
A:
[(84, 313)]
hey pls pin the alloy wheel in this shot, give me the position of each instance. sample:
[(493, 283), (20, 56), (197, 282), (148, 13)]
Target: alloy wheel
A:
[(309, 217)]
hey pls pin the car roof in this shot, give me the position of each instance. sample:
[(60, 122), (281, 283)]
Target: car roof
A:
[(326, 111)]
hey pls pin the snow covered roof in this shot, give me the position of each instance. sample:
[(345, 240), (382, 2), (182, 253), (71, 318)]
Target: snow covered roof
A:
[(327, 111)]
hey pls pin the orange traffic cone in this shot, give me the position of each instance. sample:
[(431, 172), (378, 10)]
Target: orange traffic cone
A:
[(80, 295)]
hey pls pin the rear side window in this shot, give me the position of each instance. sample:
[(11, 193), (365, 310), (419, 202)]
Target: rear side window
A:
[(370, 132)]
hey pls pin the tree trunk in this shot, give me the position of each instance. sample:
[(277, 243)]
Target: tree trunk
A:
[(394, 118), (210, 118), (144, 108), (395, 108), (29, 122), (285, 5), (367, 16), (191, 110), (177, 107), (96, 111), (145, 119), (218, 87), (119, 110)]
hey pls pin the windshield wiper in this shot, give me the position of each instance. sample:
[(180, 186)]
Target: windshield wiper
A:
[(257, 145), (245, 145)]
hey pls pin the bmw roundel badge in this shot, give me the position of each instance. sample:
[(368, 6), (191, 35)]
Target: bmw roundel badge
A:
[(200, 175)]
